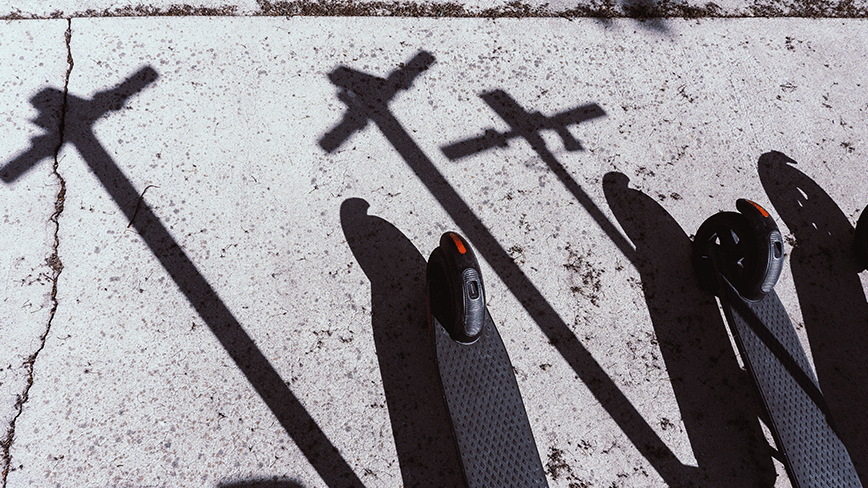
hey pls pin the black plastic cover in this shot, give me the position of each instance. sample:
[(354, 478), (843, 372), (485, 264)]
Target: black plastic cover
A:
[(455, 268), (770, 248)]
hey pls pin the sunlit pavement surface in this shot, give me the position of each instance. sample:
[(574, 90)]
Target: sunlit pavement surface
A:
[(215, 232)]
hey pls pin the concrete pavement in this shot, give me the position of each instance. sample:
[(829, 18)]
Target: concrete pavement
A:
[(237, 265), (34, 55)]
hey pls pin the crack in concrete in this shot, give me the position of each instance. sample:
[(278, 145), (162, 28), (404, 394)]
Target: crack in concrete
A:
[(53, 261)]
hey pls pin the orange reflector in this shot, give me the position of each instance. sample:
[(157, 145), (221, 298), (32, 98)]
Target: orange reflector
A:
[(458, 243), (762, 210)]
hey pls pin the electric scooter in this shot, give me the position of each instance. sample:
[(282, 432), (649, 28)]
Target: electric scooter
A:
[(739, 256), (489, 422)]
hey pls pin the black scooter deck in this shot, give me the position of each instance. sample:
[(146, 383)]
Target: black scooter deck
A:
[(813, 454), (494, 438)]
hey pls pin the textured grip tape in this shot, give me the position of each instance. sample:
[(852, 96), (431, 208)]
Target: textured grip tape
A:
[(495, 442), (813, 453)]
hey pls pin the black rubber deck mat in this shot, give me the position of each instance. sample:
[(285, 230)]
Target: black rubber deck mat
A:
[(813, 453), (494, 438)]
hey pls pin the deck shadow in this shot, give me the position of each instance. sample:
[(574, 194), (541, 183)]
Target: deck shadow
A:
[(405, 348)]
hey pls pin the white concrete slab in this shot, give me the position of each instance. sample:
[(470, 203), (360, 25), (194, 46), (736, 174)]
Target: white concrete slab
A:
[(258, 313), (32, 56)]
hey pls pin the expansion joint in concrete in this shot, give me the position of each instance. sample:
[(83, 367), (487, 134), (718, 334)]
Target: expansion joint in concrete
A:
[(53, 262)]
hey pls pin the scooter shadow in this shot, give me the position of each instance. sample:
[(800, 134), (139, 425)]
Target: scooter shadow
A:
[(405, 350), (826, 275), (718, 404)]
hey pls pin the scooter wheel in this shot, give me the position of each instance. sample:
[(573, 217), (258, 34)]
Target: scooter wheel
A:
[(862, 238), (749, 251), (456, 295), (729, 231)]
